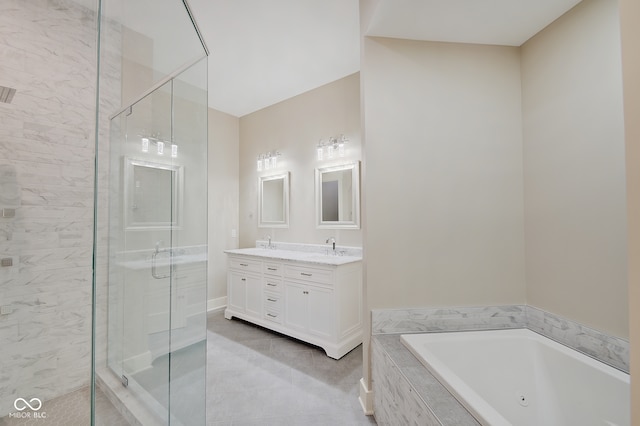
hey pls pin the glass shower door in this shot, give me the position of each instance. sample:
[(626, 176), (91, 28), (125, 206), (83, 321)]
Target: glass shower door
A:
[(142, 215), (157, 273)]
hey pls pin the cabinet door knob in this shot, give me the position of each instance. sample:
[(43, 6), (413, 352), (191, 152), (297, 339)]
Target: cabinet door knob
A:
[(244, 279)]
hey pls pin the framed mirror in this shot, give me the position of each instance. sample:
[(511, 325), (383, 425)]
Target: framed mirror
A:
[(338, 196), (153, 194), (273, 201)]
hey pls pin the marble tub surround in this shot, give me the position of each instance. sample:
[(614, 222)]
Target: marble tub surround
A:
[(429, 320), (610, 350), (310, 253), (406, 392)]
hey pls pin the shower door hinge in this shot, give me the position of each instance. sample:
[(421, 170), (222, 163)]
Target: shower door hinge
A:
[(124, 380)]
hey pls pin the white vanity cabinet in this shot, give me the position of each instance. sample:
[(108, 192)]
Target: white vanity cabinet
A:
[(318, 303), (244, 288), (309, 299)]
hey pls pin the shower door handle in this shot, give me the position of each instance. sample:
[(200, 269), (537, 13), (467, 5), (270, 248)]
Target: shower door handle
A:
[(154, 270)]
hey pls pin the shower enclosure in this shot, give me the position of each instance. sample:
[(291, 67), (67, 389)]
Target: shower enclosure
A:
[(151, 245), (103, 213)]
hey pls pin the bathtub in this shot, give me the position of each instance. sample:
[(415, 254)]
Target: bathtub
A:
[(518, 377)]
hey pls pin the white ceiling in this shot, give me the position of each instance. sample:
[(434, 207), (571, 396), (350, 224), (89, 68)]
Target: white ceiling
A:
[(263, 52), (502, 22)]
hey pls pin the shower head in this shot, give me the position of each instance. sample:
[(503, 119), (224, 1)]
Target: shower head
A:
[(6, 94)]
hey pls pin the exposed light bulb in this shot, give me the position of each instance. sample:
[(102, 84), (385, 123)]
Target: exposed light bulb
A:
[(160, 148), (267, 163), (174, 150), (320, 153), (330, 151), (259, 163), (341, 149), (145, 144), (274, 161)]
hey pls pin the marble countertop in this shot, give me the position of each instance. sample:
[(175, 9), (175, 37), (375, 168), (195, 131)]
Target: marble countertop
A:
[(297, 256)]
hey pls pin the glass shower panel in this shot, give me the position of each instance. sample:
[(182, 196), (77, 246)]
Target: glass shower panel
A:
[(151, 287), (187, 375), (146, 206), (157, 38)]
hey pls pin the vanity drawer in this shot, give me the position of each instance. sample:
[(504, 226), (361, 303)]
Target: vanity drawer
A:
[(273, 316), (272, 284), (245, 264), (270, 268), (323, 276), (272, 302)]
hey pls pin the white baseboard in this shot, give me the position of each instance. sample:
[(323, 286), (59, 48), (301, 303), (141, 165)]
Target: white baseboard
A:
[(366, 398), (214, 305)]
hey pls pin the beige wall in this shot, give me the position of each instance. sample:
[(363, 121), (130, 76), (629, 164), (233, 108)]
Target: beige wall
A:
[(575, 219), (443, 168), (136, 64), (630, 16), (294, 127), (460, 236), (444, 195), (224, 142)]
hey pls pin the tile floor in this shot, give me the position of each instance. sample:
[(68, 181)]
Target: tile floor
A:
[(258, 377), (72, 409), (254, 377)]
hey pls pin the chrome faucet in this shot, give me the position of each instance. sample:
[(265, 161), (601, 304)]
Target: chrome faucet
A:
[(333, 241), (268, 237)]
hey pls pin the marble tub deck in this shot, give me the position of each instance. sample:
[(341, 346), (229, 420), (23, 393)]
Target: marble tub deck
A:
[(405, 392)]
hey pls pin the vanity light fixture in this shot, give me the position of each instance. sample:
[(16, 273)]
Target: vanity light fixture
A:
[(334, 148), (267, 161), (147, 141)]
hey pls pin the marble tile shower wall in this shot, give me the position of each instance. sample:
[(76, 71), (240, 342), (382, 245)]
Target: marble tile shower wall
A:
[(47, 53)]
